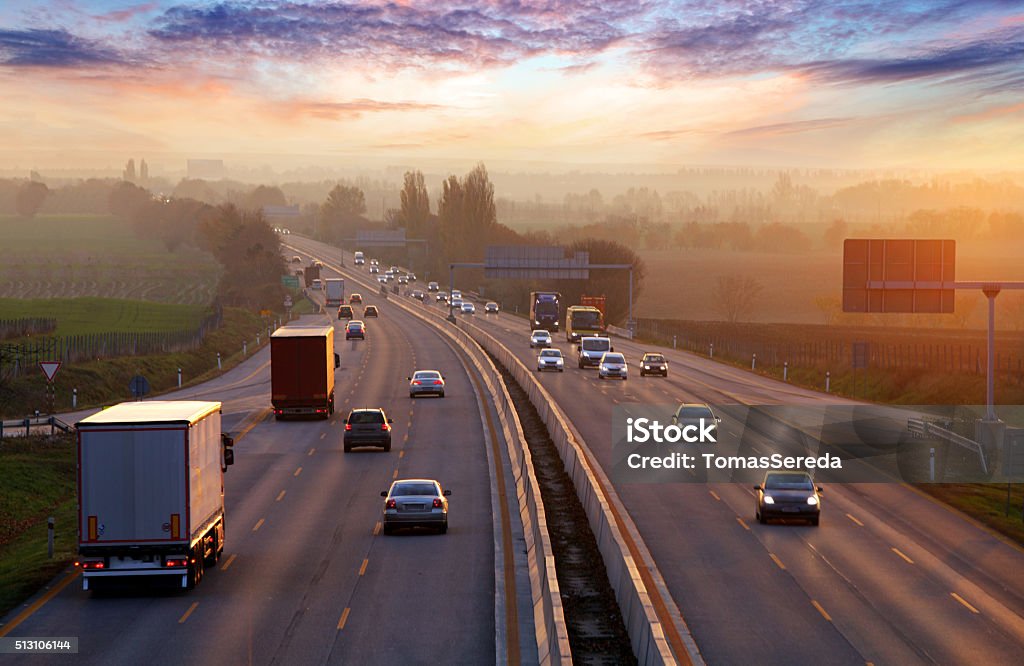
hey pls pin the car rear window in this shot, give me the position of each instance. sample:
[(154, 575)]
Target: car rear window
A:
[(426, 375), (788, 482), (695, 413), (414, 489), (366, 417), (614, 358), (592, 344), (654, 358)]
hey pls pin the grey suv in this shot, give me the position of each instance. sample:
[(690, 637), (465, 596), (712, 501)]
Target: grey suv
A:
[(367, 427)]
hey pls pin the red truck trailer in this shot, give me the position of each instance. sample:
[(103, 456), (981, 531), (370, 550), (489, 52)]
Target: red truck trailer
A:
[(302, 364)]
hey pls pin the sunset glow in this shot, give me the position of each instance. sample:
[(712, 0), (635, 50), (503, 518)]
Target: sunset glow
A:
[(844, 84)]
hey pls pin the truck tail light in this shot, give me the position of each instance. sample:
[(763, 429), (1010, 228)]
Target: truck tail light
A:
[(437, 503), (392, 504), (173, 562), (98, 564)]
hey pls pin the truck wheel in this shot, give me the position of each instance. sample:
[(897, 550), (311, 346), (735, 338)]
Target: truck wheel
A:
[(211, 560)]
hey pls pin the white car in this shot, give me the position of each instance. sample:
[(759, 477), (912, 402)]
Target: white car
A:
[(540, 338), (613, 364), (317, 285), (456, 293), (550, 359), (468, 308), (374, 269), (456, 303)]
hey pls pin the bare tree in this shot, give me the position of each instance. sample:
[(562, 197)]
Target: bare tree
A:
[(736, 297), (415, 204)]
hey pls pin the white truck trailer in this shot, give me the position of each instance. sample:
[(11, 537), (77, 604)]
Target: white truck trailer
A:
[(151, 491), (334, 290)]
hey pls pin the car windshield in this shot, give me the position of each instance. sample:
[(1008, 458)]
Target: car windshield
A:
[(788, 482), (368, 416), (596, 344), (551, 352), (541, 334), (695, 413), (614, 358), (654, 358), (414, 489), (427, 375)]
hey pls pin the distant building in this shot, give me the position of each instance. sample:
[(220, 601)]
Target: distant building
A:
[(206, 169)]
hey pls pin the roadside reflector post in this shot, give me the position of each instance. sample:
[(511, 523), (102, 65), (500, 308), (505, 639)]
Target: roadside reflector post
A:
[(218, 361), (673, 342), (245, 348), (49, 536), (257, 339), (828, 381), (179, 377), (711, 350), (74, 398), (785, 371), (931, 464), (753, 361)]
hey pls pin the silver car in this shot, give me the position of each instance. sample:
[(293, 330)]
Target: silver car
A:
[(426, 382), (468, 308), (540, 338), (613, 364), (415, 503), (491, 308), (550, 359), (696, 414)]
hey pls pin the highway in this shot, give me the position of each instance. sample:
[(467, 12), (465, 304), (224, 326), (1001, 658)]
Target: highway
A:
[(306, 576), (891, 576)]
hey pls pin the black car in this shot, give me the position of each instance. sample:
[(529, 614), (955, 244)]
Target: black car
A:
[(370, 311), (367, 427), (653, 364), (355, 329), (345, 312), (788, 495)]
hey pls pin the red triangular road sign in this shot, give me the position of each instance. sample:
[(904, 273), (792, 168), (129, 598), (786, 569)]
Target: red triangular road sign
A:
[(50, 369)]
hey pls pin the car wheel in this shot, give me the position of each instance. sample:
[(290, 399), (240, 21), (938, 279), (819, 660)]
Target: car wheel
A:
[(815, 521), (387, 446), (412, 396), (760, 518), (444, 528), (348, 447), (442, 394), (561, 369), (388, 529)]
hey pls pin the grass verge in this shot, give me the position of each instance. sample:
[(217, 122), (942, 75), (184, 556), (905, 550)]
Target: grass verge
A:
[(105, 381), (985, 502), (78, 316), (39, 481)]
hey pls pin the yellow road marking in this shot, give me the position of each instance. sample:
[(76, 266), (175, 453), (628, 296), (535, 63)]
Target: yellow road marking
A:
[(405, 437), (260, 416), (740, 521), (38, 603), (344, 618), (964, 602), (188, 612), (821, 610), (312, 450), (897, 551), (376, 529), (715, 495), (775, 558), (224, 567), (322, 435), (258, 525), (395, 475), (855, 520), (362, 569), (297, 472), (401, 454), (408, 424), (280, 496)]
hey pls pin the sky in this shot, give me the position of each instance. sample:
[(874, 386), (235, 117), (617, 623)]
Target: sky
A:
[(798, 83)]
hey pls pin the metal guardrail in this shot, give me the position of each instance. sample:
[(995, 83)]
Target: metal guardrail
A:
[(621, 332), (32, 422), (922, 428)]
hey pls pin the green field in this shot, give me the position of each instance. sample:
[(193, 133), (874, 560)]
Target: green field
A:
[(77, 316), (68, 256)]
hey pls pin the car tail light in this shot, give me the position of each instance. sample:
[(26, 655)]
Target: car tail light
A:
[(94, 565), (348, 426), (384, 426), (416, 382), (437, 503), (176, 562), (392, 504), (438, 382)]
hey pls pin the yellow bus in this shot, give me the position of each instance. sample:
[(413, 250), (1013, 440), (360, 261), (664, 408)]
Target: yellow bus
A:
[(582, 320)]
